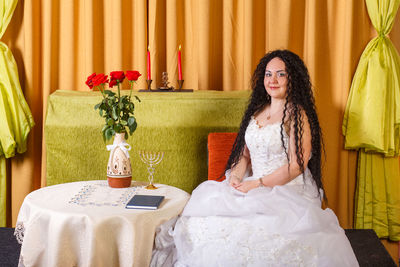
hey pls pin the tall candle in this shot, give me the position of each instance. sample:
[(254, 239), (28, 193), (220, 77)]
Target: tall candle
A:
[(179, 64), (148, 64)]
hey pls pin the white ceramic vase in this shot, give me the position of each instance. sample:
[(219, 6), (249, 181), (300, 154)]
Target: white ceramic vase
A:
[(119, 171)]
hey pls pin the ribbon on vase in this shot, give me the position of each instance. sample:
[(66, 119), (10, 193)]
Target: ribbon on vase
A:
[(123, 145)]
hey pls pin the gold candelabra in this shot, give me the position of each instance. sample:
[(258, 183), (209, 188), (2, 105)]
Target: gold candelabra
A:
[(152, 159)]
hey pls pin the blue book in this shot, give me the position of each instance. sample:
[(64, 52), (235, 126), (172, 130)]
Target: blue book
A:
[(146, 202)]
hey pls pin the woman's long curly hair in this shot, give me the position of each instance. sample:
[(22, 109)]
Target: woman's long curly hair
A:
[(299, 98)]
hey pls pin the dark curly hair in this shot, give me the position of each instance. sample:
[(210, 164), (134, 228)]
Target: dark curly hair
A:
[(299, 100)]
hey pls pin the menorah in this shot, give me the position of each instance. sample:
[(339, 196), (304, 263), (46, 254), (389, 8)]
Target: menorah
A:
[(152, 159)]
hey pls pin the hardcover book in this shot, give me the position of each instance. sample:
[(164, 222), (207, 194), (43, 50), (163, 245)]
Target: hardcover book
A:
[(147, 202)]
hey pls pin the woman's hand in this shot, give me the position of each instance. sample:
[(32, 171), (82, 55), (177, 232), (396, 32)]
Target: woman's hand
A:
[(234, 180), (248, 185)]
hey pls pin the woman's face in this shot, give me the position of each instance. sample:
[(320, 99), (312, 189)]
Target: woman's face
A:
[(276, 78)]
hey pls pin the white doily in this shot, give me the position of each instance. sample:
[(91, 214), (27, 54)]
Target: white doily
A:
[(100, 194)]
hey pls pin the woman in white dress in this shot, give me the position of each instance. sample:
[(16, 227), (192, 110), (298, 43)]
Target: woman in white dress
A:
[(268, 210)]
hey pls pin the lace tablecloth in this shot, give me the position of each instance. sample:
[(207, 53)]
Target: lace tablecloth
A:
[(86, 224)]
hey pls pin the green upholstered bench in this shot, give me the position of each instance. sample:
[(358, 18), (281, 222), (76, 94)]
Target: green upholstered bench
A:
[(175, 123)]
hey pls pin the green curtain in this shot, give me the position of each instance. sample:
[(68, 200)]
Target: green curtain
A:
[(371, 125), (15, 116)]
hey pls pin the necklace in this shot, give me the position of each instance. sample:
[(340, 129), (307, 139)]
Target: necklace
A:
[(269, 115)]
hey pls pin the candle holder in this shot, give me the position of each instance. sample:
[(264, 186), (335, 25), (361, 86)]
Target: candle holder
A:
[(164, 87), (152, 159), (180, 84), (149, 84)]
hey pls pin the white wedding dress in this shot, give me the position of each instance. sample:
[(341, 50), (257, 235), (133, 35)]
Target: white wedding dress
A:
[(279, 226)]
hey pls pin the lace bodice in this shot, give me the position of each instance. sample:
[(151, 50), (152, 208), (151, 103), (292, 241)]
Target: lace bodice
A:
[(265, 147)]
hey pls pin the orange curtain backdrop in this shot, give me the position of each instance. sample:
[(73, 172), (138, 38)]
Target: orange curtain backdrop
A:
[(58, 43), (222, 42)]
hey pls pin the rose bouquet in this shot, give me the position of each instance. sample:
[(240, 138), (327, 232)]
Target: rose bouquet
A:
[(116, 109)]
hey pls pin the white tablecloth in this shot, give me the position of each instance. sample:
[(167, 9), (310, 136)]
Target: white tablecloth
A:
[(86, 224)]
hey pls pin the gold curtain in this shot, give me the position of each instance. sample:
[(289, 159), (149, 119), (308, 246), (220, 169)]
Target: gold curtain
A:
[(15, 117), (58, 43), (371, 125)]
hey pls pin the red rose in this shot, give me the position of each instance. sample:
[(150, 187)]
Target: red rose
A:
[(112, 82), (117, 75), (100, 79), (133, 75), (89, 81)]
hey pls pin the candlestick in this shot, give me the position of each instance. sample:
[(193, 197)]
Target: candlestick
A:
[(148, 64), (149, 84), (180, 84), (179, 64)]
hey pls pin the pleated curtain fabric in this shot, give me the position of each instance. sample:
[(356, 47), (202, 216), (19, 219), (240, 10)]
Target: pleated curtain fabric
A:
[(15, 116), (57, 44), (371, 125), (61, 42)]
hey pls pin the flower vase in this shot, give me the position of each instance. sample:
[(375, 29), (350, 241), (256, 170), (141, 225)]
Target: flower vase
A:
[(119, 171)]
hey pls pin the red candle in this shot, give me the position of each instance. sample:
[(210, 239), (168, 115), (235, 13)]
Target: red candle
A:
[(148, 64), (179, 64)]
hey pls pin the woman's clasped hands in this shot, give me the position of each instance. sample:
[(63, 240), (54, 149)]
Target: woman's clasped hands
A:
[(237, 183)]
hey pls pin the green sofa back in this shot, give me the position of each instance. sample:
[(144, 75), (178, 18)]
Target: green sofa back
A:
[(176, 123)]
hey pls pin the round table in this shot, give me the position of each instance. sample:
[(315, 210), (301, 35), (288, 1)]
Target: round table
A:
[(86, 224)]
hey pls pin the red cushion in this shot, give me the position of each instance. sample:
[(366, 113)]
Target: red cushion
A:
[(219, 150)]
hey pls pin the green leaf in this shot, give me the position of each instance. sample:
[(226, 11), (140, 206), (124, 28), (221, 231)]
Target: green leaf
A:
[(124, 99), (131, 121), (101, 112), (118, 127), (124, 123), (110, 121), (114, 113), (126, 136), (109, 133), (104, 136), (97, 106), (110, 93), (138, 99), (132, 128), (125, 117), (105, 127), (121, 105)]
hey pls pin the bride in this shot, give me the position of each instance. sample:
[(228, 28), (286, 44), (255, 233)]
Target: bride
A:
[(268, 210)]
